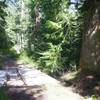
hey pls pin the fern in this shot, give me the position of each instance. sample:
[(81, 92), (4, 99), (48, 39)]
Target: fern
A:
[(51, 58)]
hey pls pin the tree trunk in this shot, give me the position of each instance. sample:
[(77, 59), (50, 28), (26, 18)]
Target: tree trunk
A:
[(90, 54), (37, 19)]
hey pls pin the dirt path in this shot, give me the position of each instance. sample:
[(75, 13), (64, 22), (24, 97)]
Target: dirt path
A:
[(27, 83)]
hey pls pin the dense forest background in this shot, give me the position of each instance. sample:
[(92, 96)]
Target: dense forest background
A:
[(49, 35)]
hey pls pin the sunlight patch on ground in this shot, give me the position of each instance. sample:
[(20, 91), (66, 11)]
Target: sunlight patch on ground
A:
[(2, 78), (59, 92), (69, 76)]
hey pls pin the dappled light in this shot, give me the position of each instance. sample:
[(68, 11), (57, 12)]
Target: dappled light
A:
[(26, 93), (49, 50), (27, 83), (2, 78)]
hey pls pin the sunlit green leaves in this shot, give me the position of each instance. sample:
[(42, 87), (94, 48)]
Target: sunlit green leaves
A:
[(3, 36), (52, 25), (52, 58)]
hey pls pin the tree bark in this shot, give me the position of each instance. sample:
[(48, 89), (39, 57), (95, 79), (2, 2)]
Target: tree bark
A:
[(90, 53)]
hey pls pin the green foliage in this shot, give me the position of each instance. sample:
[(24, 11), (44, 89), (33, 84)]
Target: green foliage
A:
[(56, 46), (1, 64), (51, 59), (25, 58), (18, 24), (52, 25), (4, 42), (3, 95), (11, 52), (94, 98), (51, 8)]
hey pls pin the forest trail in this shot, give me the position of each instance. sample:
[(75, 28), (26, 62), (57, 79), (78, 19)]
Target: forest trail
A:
[(27, 83)]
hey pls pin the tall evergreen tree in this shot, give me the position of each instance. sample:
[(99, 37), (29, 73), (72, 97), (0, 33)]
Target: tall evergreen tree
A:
[(3, 35), (90, 54), (55, 44)]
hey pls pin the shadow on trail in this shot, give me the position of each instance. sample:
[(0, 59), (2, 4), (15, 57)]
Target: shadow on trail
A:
[(27, 83), (86, 84), (26, 92), (16, 88)]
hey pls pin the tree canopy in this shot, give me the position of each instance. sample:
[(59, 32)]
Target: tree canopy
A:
[(52, 32)]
